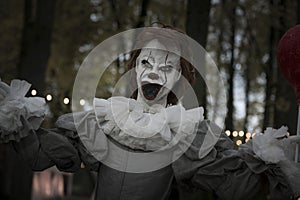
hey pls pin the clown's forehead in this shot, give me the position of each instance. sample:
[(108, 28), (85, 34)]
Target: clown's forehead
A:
[(156, 51), (155, 44)]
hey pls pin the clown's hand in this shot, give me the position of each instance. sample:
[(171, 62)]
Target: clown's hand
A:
[(275, 145), (19, 114)]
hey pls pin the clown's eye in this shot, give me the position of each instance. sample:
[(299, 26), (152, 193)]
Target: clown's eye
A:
[(166, 68), (146, 64)]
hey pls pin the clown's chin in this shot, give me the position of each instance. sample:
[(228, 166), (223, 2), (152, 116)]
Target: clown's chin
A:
[(150, 90)]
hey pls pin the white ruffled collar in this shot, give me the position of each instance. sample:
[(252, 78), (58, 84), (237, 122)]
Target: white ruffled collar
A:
[(129, 123)]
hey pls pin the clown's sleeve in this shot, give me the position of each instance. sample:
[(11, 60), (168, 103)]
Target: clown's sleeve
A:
[(20, 121), (230, 173)]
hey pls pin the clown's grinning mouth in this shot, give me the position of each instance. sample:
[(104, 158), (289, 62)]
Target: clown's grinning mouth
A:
[(150, 90)]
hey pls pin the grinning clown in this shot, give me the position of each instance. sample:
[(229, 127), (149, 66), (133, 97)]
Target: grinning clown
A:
[(141, 146)]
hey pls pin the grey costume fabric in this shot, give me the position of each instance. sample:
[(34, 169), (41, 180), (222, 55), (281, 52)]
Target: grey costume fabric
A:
[(228, 173)]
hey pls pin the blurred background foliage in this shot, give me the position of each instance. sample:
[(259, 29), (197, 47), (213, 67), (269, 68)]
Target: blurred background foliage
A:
[(45, 42)]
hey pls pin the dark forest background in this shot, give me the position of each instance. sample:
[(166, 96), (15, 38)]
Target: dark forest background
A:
[(45, 41)]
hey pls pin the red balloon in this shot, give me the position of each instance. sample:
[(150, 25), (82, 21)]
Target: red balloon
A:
[(288, 57)]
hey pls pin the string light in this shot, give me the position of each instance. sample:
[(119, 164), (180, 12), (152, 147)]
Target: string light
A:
[(239, 142), (82, 102), (227, 132), (49, 97), (66, 101), (241, 133), (33, 92), (248, 135), (234, 133)]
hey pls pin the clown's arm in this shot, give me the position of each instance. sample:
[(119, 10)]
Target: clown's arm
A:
[(235, 174), (20, 120)]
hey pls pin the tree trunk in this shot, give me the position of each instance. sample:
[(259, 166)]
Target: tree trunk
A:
[(219, 51), (197, 22), (298, 12), (143, 14), (35, 50), (247, 94), (36, 41), (270, 74), (231, 71)]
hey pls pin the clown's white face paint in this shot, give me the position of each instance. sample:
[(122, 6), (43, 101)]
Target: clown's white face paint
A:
[(157, 72)]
